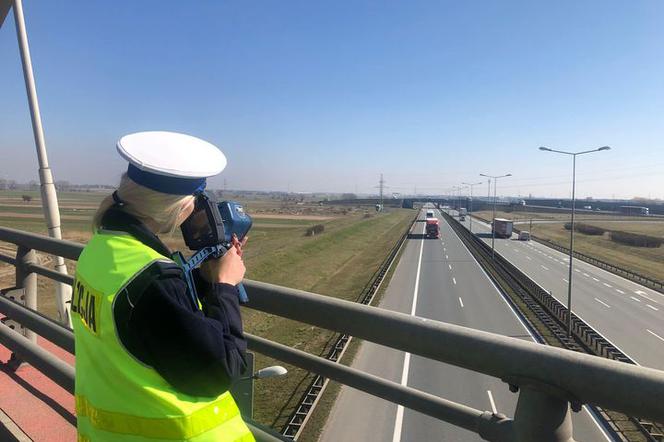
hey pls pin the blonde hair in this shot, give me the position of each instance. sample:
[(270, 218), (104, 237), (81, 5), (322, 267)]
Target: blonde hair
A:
[(146, 205)]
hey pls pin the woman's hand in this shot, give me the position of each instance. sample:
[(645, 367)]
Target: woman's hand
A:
[(229, 269), (239, 245)]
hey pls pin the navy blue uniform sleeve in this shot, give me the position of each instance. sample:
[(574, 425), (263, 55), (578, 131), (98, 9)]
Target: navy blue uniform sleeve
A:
[(197, 352)]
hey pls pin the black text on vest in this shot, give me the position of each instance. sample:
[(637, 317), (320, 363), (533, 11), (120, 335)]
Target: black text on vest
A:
[(86, 303)]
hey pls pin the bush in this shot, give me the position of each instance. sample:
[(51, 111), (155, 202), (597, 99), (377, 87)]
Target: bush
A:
[(315, 230), (635, 239), (26, 198), (587, 229)]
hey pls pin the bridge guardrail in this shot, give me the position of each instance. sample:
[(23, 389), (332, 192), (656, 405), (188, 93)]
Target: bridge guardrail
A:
[(547, 378)]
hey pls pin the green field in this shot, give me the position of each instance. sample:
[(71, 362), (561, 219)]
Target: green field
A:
[(339, 262), (646, 261)]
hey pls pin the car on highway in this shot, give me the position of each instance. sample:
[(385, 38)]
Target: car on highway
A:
[(524, 236), (429, 214)]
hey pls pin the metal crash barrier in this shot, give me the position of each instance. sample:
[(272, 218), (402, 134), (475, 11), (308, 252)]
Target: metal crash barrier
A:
[(547, 379)]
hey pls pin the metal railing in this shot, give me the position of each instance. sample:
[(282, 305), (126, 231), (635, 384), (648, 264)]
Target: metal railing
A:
[(546, 378)]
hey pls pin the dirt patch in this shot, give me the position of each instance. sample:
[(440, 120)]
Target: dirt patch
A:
[(39, 216), (284, 216)]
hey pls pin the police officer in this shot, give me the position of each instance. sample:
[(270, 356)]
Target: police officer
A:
[(153, 364)]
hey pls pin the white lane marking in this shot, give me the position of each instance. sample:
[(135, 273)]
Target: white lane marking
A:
[(444, 249), (398, 422), (516, 250), (585, 274), (655, 335), (654, 308), (545, 268), (460, 301), (608, 285), (493, 404), (565, 280), (577, 270), (595, 279), (450, 266), (446, 257), (636, 299), (454, 281), (603, 303), (529, 258), (642, 293), (620, 291)]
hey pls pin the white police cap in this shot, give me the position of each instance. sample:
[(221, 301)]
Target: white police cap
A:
[(170, 162)]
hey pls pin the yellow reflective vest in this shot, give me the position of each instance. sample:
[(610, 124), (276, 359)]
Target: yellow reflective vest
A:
[(118, 398)]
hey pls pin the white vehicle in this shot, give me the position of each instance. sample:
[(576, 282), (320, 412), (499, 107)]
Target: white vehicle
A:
[(524, 236), (463, 211), (502, 228), (429, 214)]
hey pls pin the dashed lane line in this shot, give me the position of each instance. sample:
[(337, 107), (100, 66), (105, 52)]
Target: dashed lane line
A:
[(603, 303), (635, 299), (461, 302), (643, 294), (650, 306), (544, 267), (454, 281), (608, 285), (620, 291)]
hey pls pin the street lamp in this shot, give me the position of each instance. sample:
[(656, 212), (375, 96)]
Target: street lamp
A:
[(571, 230), (493, 221), (470, 215)]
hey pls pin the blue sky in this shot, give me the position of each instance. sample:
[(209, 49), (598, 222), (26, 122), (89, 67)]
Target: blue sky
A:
[(325, 96)]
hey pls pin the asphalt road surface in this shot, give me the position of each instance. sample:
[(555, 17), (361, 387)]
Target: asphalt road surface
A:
[(628, 314), (436, 279)]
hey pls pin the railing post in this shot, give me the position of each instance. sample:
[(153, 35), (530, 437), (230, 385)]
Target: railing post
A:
[(542, 417), (27, 280)]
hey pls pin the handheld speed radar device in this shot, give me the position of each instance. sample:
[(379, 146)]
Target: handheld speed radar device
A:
[(209, 231)]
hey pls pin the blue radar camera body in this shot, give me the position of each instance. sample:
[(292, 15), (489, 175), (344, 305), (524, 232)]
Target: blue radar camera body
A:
[(209, 232)]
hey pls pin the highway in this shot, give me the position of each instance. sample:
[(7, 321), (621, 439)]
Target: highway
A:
[(628, 314), (436, 279)]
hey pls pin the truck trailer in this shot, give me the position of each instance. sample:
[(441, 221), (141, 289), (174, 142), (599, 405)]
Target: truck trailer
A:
[(502, 228), (432, 228)]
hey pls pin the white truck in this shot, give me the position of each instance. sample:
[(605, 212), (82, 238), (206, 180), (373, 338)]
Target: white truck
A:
[(502, 228)]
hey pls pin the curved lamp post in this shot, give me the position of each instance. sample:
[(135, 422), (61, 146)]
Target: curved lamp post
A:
[(571, 230), (470, 216), (493, 221)]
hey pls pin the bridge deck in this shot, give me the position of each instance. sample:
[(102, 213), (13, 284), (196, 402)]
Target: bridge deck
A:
[(41, 409)]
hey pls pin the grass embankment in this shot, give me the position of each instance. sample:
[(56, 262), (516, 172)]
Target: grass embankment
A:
[(338, 262), (643, 260)]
